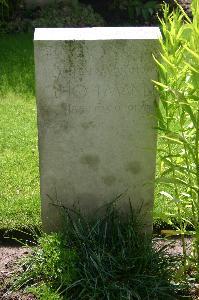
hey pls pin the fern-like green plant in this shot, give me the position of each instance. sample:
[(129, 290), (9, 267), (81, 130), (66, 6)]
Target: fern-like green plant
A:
[(178, 119)]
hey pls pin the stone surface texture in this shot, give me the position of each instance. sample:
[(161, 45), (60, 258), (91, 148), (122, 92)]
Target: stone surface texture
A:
[(96, 119)]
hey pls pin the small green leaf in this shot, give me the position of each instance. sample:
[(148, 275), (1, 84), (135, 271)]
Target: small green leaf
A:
[(170, 180), (171, 140)]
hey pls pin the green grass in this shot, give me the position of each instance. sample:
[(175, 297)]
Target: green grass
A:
[(19, 173)]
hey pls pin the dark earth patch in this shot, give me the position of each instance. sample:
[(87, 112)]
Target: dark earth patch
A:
[(9, 267)]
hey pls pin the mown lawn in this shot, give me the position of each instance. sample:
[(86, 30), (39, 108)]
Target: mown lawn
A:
[(19, 174)]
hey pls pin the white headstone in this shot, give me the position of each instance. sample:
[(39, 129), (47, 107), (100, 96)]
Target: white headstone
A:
[(96, 118)]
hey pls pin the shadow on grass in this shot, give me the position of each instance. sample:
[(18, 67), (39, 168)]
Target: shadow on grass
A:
[(17, 64)]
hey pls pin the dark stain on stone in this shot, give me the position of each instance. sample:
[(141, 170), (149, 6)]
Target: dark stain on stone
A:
[(109, 180), (91, 160), (133, 167), (87, 125), (86, 202)]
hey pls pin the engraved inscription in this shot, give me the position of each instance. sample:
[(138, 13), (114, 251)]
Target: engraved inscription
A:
[(83, 109)]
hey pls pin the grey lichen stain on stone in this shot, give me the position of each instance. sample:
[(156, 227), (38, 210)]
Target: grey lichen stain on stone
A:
[(109, 180), (133, 167), (75, 53), (91, 160), (87, 125)]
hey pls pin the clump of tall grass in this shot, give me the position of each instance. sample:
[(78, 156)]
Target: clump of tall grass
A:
[(106, 257), (178, 119)]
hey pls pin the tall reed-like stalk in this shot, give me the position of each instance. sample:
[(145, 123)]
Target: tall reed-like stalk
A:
[(178, 119), (4, 7)]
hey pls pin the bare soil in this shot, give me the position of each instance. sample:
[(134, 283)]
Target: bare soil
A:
[(173, 246), (174, 249), (9, 257)]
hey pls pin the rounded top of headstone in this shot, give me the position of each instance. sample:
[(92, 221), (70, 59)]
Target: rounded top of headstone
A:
[(97, 33)]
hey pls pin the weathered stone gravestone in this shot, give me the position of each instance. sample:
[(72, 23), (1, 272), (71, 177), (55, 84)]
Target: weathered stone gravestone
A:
[(96, 120)]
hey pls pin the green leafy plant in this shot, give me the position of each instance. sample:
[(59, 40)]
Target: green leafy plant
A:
[(70, 14), (51, 265), (4, 7), (10, 14), (57, 14), (137, 10), (178, 121), (4, 3), (44, 292), (105, 257)]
